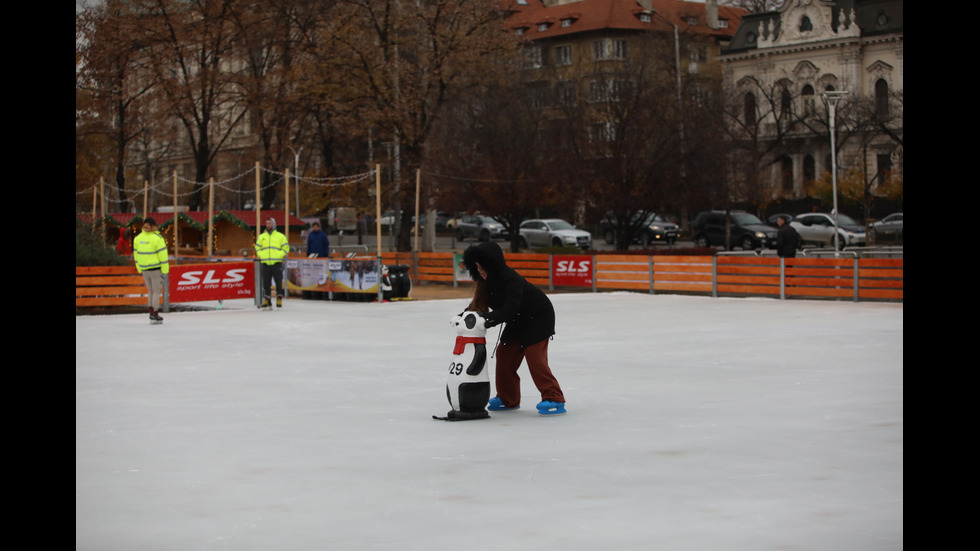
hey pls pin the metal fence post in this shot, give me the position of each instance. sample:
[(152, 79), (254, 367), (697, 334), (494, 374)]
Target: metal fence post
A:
[(650, 269), (856, 282), (714, 276), (782, 278)]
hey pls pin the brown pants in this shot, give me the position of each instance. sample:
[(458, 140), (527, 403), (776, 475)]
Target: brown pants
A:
[(509, 357)]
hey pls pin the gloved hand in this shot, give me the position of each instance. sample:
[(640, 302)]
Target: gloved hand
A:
[(489, 322)]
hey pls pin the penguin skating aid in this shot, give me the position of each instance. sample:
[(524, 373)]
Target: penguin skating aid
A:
[(468, 382)]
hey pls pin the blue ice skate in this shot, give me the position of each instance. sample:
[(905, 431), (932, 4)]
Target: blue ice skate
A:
[(496, 405), (549, 407)]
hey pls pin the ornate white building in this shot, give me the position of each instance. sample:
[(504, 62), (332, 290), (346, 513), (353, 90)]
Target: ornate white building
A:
[(777, 69)]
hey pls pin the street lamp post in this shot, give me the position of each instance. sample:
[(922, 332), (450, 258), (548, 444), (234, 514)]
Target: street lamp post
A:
[(677, 65), (296, 174), (832, 98)]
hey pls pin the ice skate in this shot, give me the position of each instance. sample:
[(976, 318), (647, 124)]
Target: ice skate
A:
[(496, 405), (155, 318), (278, 302), (548, 407)]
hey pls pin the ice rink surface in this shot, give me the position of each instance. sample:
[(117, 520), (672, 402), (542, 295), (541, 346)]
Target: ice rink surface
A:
[(694, 424)]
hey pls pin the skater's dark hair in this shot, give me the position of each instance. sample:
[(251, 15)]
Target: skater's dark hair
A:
[(481, 297), (149, 220)]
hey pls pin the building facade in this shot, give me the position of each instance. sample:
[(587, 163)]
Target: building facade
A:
[(778, 69)]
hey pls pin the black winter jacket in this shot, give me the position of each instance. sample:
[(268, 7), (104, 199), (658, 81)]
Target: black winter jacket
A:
[(527, 311)]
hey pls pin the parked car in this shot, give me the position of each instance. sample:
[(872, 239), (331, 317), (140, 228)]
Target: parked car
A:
[(441, 218), (553, 232), (480, 227), (889, 227), (747, 231), (771, 220), (818, 227), (656, 228)]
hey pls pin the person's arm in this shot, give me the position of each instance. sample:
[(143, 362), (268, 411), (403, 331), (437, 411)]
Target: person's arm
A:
[(513, 296)]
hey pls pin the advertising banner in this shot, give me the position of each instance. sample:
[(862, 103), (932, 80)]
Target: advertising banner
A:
[(460, 273), (572, 270), (323, 275), (212, 281)]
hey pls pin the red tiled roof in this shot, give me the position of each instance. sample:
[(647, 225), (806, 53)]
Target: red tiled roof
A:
[(590, 15)]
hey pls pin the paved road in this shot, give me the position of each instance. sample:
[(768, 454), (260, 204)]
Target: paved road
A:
[(446, 243)]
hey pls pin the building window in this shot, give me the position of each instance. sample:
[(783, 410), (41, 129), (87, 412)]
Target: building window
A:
[(646, 18), (884, 168), (533, 57), (538, 97), (567, 22), (806, 25), (602, 133), (785, 104), (809, 101), (563, 55), (722, 23), (606, 90), (748, 108), (881, 98), (786, 166), (809, 169), (692, 21), (609, 48), (565, 93), (542, 27), (699, 54)]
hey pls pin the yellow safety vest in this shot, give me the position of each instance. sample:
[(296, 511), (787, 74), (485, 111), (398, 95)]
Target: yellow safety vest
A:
[(150, 252), (271, 248)]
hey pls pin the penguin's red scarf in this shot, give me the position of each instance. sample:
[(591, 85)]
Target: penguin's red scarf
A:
[(461, 343)]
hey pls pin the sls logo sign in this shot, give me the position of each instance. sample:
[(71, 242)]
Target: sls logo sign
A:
[(211, 277), (212, 281), (572, 270)]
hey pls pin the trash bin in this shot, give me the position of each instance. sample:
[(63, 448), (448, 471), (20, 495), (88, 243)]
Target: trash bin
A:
[(396, 277)]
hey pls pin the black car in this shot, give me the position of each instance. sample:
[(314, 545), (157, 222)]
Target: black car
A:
[(747, 231), (655, 228)]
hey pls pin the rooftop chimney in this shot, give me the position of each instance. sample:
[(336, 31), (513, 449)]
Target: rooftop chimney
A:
[(711, 13)]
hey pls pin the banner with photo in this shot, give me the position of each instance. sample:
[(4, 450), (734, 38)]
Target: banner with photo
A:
[(460, 273), (348, 275)]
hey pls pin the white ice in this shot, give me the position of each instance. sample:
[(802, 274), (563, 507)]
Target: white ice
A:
[(694, 424)]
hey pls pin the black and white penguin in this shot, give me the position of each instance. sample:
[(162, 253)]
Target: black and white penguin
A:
[(468, 384)]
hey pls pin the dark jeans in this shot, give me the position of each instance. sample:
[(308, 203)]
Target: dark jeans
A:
[(270, 272)]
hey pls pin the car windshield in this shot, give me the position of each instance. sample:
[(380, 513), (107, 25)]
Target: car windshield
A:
[(746, 219), (560, 225), (845, 220), (651, 218)]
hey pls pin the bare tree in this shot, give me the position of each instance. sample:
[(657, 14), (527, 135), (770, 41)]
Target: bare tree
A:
[(193, 53), (393, 66), (113, 71)]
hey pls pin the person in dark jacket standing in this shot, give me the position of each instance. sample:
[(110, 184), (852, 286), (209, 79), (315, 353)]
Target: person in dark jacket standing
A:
[(503, 296), (317, 243), (787, 238)]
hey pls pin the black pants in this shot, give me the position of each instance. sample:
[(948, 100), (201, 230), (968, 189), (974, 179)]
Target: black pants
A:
[(270, 272)]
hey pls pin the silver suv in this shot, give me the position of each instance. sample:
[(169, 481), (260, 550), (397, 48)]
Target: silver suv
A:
[(553, 232)]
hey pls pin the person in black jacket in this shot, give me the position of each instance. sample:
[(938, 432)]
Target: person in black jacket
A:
[(787, 238), (506, 297)]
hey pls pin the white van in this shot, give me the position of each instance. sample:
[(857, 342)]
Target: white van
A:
[(342, 220)]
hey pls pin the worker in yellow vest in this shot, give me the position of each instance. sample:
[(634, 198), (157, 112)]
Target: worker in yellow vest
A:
[(271, 247), (152, 261)]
